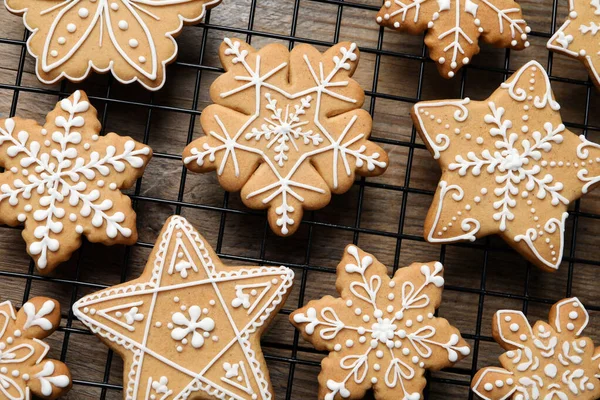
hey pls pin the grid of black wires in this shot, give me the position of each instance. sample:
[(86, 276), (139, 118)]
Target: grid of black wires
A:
[(302, 266)]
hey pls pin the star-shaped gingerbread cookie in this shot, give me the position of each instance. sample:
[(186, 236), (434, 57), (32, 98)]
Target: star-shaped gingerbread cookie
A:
[(62, 181), (509, 167), (134, 40), (454, 27), (381, 333), (24, 368), (578, 37), (549, 361), (189, 327)]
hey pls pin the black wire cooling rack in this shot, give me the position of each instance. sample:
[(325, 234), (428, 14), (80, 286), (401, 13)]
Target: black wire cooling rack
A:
[(296, 354)]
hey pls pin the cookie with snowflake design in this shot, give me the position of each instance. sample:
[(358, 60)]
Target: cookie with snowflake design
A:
[(287, 129), (381, 333), (578, 37), (509, 167), (189, 327), (549, 361), (455, 26), (62, 180), (131, 39), (24, 369)]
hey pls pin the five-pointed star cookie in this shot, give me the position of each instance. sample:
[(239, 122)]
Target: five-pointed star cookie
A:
[(132, 39), (509, 167), (381, 333), (189, 327), (578, 37), (62, 181), (549, 361), (454, 27), (24, 369), (287, 129)]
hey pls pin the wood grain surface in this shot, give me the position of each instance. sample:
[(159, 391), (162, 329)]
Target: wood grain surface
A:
[(384, 215)]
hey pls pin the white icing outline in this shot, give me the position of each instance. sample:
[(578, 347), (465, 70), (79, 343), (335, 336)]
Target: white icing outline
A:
[(110, 68), (580, 306), (551, 226), (477, 384), (153, 286)]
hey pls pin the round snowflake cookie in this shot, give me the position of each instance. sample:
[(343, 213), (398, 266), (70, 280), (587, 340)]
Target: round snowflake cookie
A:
[(287, 129), (549, 361), (62, 180), (454, 27), (509, 167), (381, 333), (189, 327), (24, 369), (132, 39)]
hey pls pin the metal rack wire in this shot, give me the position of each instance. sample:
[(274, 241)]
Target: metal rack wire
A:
[(303, 266)]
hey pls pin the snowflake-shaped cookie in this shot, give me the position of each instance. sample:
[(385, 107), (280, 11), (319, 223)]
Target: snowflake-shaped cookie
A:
[(62, 181), (189, 327), (509, 166), (24, 369), (578, 37), (381, 333), (133, 39), (287, 129), (454, 27), (548, 361)]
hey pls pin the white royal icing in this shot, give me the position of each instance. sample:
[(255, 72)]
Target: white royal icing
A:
[(201, 322)]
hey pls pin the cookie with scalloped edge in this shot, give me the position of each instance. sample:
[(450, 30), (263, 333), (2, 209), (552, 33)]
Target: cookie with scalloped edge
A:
[(381, 333), (134, 40), (287, 129), (454, 27), (62, 180), (24, 368), (547, 361)]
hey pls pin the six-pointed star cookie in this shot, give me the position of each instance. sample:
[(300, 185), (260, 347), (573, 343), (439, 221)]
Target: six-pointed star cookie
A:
[(578, 37), (189, 327), (381, 333), (133, 39), (454, 27), (287, 129), (62, 181), (509, 166), (549, 361)]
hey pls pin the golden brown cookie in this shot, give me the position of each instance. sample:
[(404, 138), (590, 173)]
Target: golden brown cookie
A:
[(509, 167), (454, 27), (287, 129), (189, 327), (62, 181), (578, 37), (24, 369), (132, 39), (549, 361), (381, 333)]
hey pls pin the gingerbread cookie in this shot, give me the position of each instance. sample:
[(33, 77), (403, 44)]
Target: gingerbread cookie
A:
[(189, 327), (62, 181), (509, 167), (132, 39), (287, 129), (548, 361), (24, 369), (454, 27), (381, 333), (578, 37)]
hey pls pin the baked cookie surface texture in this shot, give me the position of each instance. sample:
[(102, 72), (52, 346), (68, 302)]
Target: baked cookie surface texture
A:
[(287, 129), (62, 180), (549, 361), (454, 27), (24, 369), (509, 167), (381, 333), (131, 39), (189, 327)]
